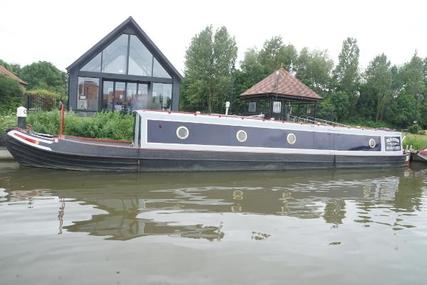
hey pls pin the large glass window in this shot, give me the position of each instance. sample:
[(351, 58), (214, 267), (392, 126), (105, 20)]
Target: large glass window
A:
[(87, 97), (114, 58), (131, 92), (142, 98), (108, 95), (140, 59), (119, 96), (94, 64), (159, 71), (161, 97)]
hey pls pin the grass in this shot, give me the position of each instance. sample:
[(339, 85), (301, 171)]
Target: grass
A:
[(416, 141)]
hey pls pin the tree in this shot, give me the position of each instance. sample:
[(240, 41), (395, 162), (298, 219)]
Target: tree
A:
[(275, 54), (10, 94), (346, 74), (44, 75), (209, 64), (314, 69), (378, 78)]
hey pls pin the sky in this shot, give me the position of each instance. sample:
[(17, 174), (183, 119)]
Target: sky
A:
[(60, 31)]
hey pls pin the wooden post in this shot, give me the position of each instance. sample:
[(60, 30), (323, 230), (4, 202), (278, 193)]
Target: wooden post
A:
[(61, 120)]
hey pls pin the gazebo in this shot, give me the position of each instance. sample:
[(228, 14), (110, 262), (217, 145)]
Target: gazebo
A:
[(276, 95)]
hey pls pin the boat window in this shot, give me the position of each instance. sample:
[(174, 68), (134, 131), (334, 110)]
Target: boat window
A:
[(87, 97), (241, 136), (182, 132), (372, 143), (291, 138)]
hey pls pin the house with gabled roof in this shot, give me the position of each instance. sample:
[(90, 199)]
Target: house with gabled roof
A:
[(124, 71)]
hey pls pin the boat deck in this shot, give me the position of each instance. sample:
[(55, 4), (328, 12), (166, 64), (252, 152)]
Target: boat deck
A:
[(110, 142)]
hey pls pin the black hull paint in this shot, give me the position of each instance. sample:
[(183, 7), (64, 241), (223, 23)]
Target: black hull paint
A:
[(71, 155)]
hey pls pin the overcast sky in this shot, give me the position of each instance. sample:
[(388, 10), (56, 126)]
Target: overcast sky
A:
[(60, 31)]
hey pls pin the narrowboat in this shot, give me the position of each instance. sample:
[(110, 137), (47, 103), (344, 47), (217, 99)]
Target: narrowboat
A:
[(173, 141)]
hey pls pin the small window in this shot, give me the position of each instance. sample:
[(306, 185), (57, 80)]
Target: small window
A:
[(241, 136), (372, 143), (291, 138), (182, 132), (252, 107)]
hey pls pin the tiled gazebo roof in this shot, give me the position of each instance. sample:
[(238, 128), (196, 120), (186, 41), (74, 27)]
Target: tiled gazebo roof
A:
[(281, 84)]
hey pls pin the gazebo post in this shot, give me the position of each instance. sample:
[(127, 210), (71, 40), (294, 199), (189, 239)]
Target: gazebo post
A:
[(314, 111)]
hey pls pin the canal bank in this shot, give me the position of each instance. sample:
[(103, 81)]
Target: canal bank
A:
[(5, 154)]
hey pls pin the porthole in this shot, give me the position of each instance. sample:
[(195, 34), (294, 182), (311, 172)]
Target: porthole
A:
[(372, 143), (182, 132), (241, 136), (291, 138)]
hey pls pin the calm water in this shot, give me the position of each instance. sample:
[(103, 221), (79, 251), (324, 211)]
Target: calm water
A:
[(311, 227)]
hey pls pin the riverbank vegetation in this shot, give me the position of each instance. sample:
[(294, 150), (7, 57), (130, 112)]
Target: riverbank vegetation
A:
[(416, 141), (113, 125)]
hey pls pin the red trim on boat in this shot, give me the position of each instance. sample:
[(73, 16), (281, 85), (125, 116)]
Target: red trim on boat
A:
[(28, 139)]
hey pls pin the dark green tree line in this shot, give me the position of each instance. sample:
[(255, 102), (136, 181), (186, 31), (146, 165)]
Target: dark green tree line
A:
[(383, 93)]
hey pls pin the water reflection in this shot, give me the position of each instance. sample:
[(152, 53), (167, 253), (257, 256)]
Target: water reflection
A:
[(196, 205)]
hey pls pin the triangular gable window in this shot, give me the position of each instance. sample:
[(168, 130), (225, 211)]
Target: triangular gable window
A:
[(140, 59), (159, 71), (114, 59), (94, 65)]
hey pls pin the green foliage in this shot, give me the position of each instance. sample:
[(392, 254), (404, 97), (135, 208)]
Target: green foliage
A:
[(275, 54), (378, 78), (414, 128), (209, 63), (10, 95), (416, 141), (6, 122), (314, 69), (346, 77), (44, 75), (111, 125)]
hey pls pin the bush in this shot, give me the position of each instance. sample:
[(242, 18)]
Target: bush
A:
[(416, 141), (111, 125), (10, 95), (414, 129)]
